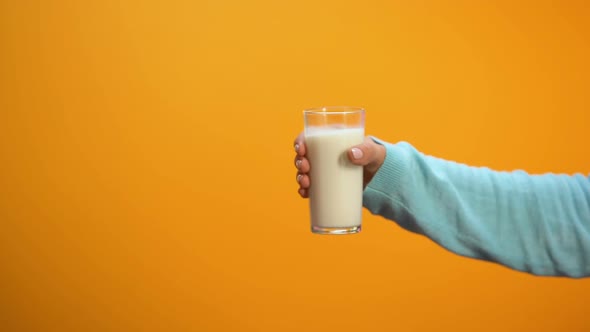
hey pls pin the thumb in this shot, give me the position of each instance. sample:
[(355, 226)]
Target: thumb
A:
[(363, 154)]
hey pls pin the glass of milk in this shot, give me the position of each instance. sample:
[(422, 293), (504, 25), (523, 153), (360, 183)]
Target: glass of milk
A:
[(336, 191)]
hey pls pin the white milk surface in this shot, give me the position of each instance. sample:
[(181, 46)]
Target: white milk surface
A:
[(336, 192)]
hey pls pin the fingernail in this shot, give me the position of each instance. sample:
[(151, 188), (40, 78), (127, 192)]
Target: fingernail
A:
[(298, 163), (301, 192), (357, 153), (296, 147), (299, 177)]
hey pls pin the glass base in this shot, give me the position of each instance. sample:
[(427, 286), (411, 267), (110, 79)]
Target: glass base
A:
[(335, 230)]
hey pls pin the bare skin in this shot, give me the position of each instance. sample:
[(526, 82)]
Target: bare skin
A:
[(369, 154)]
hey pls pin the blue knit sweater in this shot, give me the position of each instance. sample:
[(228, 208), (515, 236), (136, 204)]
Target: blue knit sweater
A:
[(538, 224)]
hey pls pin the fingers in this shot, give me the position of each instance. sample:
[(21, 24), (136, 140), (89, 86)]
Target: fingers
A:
[(364, 153), (304, 193), (370, 155), (303, 180), (299, 145), (302, 164), (304, 183)]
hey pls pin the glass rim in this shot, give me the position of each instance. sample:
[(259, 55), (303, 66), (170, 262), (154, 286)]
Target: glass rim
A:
[(334, 110)]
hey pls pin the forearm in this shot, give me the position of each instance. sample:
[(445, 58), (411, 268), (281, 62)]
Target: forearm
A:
[(538, 224)]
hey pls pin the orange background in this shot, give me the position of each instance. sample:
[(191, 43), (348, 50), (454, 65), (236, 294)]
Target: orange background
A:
[(147, 178)]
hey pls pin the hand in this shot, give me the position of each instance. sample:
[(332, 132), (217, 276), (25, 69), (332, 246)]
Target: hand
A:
[(369, 154)]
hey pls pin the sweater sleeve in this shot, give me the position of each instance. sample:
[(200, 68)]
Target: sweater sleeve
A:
[(538, 224)]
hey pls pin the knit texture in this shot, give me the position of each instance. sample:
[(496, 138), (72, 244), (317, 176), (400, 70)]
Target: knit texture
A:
[(538, 224)]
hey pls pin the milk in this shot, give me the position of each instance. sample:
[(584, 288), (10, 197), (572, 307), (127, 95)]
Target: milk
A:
[(336, 184)]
